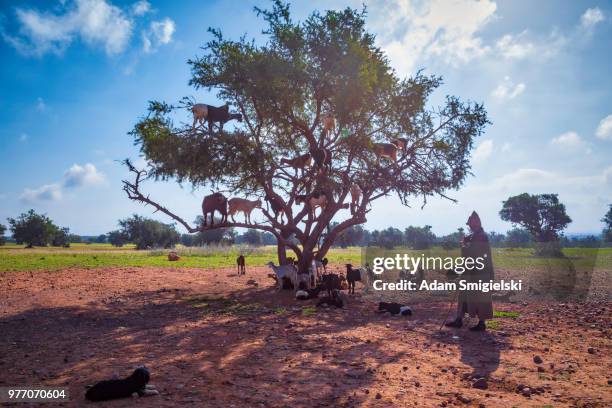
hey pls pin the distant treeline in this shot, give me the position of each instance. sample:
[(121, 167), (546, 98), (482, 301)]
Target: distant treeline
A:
[(37, 230)]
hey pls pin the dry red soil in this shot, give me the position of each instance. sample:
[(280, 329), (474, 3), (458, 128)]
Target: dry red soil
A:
[(257, 348)]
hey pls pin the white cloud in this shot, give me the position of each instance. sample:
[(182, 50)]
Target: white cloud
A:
[(604, 129), (412, 32), (483, 151), (23, 137), (507, 89), (48, 192), (75, 176), (159, 33), (96, 22), (568, 140), (515, 47), (85, 175), (592, 17), (141, 7)]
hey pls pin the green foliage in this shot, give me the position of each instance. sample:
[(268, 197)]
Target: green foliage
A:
[(501, 313), (148, 233), (117, 238), (2, 231), (388, 238), (37, 230), (60, 237), (419, 237), (518, 238), (540, 214), (352, 236), (607, 219), (327, 64)]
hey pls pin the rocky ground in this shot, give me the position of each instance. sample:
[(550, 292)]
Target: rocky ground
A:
[(214, 339)]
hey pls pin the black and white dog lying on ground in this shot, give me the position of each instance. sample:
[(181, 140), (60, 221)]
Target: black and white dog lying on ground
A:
[(114, 389), (394, 309)]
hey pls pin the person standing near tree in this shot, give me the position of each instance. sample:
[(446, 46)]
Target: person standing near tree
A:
[(475, 302)]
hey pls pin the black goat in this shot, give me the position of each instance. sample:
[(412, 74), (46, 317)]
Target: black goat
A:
[(114, 389), (352, 276), (394, 308), (276, 205), (220, 114), (322, 157)]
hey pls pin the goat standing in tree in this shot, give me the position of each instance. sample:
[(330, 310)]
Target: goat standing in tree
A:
[(202, 112)]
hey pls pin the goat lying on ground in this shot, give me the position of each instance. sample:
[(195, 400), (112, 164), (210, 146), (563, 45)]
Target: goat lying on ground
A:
[(284, 273), (241, 264), (313, 200), (221, 114), (394, 308), (113, 389), (305, 294), (332, 300), (300, 162), (242, 205)]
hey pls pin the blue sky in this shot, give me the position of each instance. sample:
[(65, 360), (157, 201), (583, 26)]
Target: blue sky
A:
[(77, 74)]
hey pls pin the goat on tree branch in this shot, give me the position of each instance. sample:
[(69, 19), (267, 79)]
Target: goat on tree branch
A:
[(385, 140)]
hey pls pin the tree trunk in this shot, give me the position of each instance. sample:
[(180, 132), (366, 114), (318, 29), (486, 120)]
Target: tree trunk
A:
[(282, 253)]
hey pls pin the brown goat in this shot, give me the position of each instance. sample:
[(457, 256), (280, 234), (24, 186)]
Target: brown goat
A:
[(212, 203), (329, 124), (388, 150), (355, 196), (242, 205), (299, 162)]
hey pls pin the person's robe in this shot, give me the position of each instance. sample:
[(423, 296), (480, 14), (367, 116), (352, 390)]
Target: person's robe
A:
[(477, 303)]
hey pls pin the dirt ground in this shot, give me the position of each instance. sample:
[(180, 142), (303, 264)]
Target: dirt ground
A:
[(214, 339)]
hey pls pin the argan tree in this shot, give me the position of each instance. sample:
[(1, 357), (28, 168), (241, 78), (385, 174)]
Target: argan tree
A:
[(284, 87), (540, 214)]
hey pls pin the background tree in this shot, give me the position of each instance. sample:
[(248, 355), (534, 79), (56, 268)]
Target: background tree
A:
[(607, 219), (74, 239), (518, 238), (148, 233), (540, 214), (32, 229), (252, 237), (351, 236), (2, 231), (419, 237), (117, 238), (325, 65), (59, 237), (452, 240), (101, 239)]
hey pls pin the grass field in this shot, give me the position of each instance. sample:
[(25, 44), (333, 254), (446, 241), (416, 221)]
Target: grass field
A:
[(18, 258)]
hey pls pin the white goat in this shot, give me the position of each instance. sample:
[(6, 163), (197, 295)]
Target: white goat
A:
[(200, 114), (355, 194), (244, 206), (282, 272)]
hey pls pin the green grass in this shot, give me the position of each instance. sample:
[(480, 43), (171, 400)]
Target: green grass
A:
[(309, 311), (493, 324), (17, 258), (501, 313)]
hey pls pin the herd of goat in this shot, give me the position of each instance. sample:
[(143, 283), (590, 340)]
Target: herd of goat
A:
[(320, 156)]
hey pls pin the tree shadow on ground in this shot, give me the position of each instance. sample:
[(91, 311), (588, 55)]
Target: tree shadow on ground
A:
[(270, 353)]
